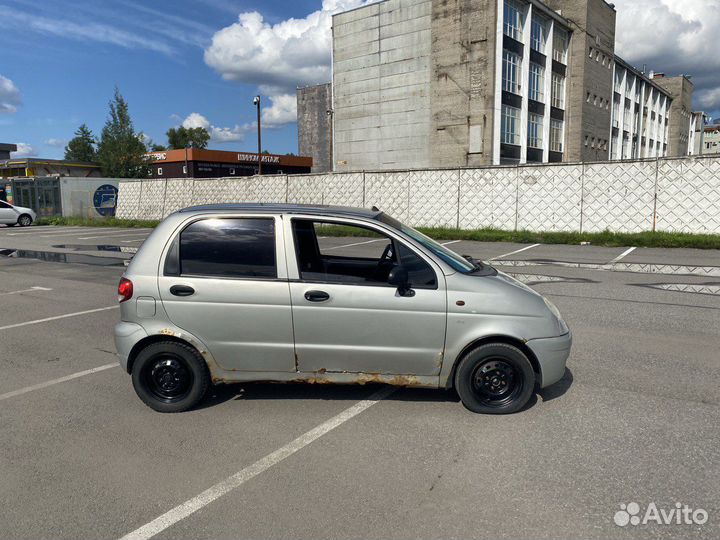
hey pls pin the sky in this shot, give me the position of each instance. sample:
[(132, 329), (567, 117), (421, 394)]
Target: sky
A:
[(201, 62)]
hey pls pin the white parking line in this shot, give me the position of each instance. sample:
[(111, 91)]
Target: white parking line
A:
[(514, 252), (355, 244), (450, 242), (38, 321), (622, 255), (213, 493), (31, 289), (56, 381)]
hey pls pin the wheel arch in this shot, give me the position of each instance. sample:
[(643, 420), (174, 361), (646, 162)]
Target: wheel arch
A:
[(156, 338), (498, 338)]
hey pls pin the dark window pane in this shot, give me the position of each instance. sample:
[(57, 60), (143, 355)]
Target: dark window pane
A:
[(419, 272), (229, 247)]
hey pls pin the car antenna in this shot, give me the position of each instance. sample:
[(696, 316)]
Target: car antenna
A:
[(375, 208)]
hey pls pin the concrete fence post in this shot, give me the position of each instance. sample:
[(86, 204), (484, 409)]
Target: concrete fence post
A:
[(582, 197), (364, 203), (457, 208), (517, 195), (655, 193)]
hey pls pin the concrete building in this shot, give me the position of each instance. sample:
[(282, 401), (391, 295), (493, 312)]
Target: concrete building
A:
[(314, 112), (32, 167), (440, 83), (203, 163), (707, 139), (5, 150)]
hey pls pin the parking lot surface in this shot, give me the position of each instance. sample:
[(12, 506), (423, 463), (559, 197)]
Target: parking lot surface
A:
[(635, 419)]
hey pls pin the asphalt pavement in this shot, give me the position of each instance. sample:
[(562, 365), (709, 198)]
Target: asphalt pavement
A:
[(635, 419)]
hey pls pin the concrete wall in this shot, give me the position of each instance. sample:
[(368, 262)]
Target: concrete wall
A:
[(462, 84), (381, 85), (681, 90), (593, 26), (681, 194), (314, 119)]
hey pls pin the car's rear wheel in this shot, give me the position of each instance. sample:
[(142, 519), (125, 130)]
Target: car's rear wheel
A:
[(495, 378), (170, 376), (25, 220)]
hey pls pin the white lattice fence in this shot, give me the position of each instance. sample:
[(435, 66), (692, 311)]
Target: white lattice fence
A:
[(550, 198), (680, 194), (619, 197), (688, 195)]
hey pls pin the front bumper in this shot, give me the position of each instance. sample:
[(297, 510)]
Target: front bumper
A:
[(552, 355), (127, 334)]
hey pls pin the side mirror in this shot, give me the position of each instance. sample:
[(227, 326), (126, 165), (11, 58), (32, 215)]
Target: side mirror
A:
[(398, 277)]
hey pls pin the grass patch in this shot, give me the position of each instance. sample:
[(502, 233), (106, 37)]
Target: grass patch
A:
[(605, 238), (99, 222)]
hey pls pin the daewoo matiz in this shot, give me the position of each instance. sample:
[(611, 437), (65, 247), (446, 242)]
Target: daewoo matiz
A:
[(271, 292)]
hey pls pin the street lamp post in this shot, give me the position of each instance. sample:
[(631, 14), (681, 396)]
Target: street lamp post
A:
[(256, 102)]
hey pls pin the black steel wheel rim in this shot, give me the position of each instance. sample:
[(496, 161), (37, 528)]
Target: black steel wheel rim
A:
[(496, 382), (168, 378)]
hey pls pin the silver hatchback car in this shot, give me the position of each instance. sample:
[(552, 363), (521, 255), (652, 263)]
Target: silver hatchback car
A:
[(277, 292)]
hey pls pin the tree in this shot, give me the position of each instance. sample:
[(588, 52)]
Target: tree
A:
[(182, 137), (82, 146), (121, 151), (157, 147)]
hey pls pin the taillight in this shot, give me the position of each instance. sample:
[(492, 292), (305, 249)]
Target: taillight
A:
[(125, 290)]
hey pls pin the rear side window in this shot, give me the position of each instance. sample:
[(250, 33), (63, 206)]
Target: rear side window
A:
[(240, 247)]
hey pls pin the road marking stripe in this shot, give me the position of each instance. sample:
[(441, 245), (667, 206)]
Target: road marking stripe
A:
[(40, 386), (31, 289), (450, 242), (213, 493), (48, 232), (623, 255), (355, 244), (513, 252), (38, 321)]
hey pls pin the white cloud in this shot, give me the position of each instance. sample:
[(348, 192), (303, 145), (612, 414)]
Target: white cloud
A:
[(674, 37), (23, 150), (9, 96), (56, 142), (217, 134), (283, 110)]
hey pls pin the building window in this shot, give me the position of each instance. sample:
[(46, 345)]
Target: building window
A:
[(557, 98), (556, 135), (511, 72), (512, 19), (560, 45), (184, 169), (159, 171), (510, 125), (538, 35), (537, 82), (232, 171), (535, 128)]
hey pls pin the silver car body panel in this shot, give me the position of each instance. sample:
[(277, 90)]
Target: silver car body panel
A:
[(265, 329)]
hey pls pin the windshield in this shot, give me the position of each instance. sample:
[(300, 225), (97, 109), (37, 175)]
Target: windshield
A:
[(457, 262)]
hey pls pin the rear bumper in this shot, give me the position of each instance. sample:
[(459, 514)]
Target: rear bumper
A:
[(552, 355), (127, 334)]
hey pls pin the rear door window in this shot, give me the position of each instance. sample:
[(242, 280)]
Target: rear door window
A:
[(233, 248)]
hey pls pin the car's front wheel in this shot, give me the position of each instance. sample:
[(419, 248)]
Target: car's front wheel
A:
[(170, 376), (25, 220), (495, 378)]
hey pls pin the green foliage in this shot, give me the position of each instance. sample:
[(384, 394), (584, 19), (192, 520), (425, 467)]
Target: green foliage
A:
[(99, 222), (121, 152), (82, 146), (182, 137), (154, 147)]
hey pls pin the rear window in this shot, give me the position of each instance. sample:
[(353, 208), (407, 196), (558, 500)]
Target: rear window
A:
[(239, 247)]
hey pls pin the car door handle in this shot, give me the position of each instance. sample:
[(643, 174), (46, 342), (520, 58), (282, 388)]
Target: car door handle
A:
[(182, 290), (316, 296)]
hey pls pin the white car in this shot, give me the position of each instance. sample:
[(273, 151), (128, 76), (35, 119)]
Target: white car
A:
[(16, 215)]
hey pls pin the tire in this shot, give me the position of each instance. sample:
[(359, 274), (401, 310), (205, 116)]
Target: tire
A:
[(170, 377), (24, 220), (495, 378)]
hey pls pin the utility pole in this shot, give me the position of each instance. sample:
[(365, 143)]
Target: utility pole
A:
[(256, 102)]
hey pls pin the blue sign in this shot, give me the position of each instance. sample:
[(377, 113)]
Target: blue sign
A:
[(105, 200)]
